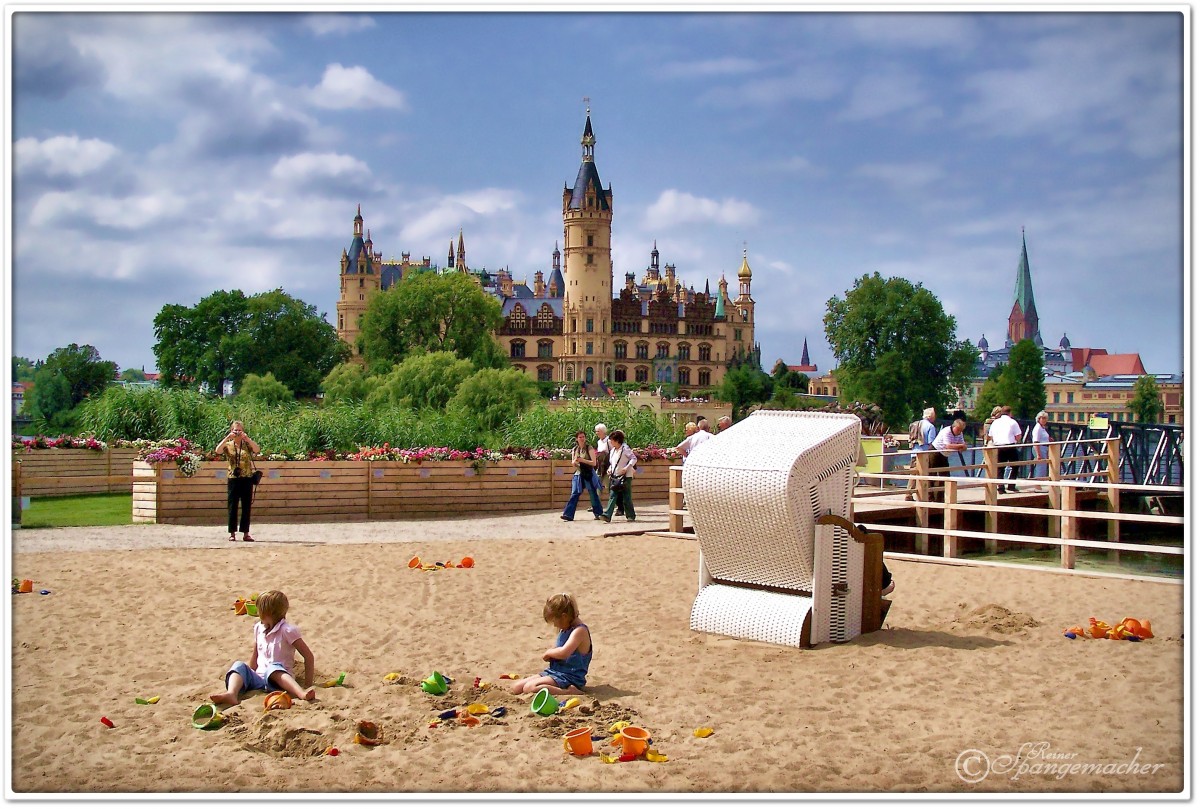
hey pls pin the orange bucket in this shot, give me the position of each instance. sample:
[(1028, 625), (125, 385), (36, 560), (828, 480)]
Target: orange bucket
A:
[(634, 740), (579, 742), (415, 562), (26, 586), (467, 561)]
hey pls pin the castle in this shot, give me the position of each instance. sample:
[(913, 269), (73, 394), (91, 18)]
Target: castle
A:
[(571, 329)]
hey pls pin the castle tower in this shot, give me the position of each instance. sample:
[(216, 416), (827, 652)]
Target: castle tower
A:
[(587, 271), (460, 261), (539, 285), (450, 256), (742, 326), (1023, 319), (359, 282)]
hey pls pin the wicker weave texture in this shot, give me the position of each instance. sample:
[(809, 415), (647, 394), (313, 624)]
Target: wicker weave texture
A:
[(751, 614), (750, 493)]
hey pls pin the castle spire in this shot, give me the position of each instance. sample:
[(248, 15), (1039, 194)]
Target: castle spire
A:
[(358, 221), (804, 354), (1023, 319)]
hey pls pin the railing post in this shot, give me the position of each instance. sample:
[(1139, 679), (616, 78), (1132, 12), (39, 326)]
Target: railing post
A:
[(16, 495), (950, 520), (1114, 495), (675, 499), (1070, 529), (1054, 465), (991, 518), (924, 489)]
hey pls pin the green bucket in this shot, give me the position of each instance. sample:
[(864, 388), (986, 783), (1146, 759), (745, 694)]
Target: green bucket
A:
[(251, 608), (543, 704), (207, 717), (435, 684)]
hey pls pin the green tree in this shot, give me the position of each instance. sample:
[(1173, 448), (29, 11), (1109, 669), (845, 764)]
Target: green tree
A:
[(744, 385), (990, 395), (423, 381), (1023, 380), (896, 347), (228, 335), (133, 375), (1146, 403), (23, 370), (266, 389), (347, 382), (429, 312), (67, 377), (492, 397)]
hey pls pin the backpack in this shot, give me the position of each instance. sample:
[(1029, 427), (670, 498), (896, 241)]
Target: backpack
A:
[(914, 433)]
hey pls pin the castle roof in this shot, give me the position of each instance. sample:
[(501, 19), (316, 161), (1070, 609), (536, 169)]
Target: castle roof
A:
[(531, 306), (357, 248)]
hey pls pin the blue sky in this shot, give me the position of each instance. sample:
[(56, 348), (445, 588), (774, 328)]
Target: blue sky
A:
[(160, 157)]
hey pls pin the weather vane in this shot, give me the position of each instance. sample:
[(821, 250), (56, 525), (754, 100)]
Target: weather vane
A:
[(587, 101)]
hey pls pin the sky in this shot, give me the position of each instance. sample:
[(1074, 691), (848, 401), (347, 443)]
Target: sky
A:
[(159, 157)]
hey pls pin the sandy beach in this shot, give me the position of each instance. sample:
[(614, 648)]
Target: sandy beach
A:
[(971, 658)]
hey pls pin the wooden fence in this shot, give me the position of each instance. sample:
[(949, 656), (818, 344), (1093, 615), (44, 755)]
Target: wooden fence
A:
[(337, 491), (57, 472)]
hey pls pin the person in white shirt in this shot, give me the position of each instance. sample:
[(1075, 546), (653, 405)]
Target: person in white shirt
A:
[(1041, 437), (927, 432), (702, 435), (685, 446), (724, 423), (1005, 434), (622, 466), (947, 443)]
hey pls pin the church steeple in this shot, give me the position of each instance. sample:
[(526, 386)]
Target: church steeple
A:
[(1023, 319), (804, 354)]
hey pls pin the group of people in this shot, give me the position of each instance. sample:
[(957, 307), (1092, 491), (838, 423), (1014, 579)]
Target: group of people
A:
[(1000, 430), (277, 641), (610, 463)]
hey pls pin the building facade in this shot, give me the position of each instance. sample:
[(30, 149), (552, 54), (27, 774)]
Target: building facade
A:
[(571, 328)]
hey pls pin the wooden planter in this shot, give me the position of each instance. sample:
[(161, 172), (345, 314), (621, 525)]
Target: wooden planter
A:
[(343, 491), (57, 472)]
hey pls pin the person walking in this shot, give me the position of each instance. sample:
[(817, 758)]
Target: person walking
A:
[(583, 458), (238, 450), (1006, 434), (623, 466)]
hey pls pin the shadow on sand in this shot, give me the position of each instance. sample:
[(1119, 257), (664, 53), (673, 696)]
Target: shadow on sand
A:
[(903, 638)]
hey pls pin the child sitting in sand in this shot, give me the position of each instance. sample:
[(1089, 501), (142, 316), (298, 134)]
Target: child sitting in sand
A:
[(571, 655), (270, 668)]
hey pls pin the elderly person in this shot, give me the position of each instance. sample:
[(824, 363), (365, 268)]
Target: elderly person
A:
[(724, 423), (1006, 435), (926, 434), (685, 446), (238, 449), (1041, 440), (623, 467)]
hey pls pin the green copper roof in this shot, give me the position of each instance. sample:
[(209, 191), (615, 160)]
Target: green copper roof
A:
[(720, 304), (1023, 293)]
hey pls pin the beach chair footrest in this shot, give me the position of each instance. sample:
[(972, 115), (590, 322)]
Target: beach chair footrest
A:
[(760, 615)]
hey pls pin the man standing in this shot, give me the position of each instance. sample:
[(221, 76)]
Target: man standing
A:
[(948, 442), (724, 423), (926, 433), (1006, 434)]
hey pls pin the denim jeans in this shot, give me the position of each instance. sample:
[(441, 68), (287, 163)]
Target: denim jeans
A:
[(579, 482)]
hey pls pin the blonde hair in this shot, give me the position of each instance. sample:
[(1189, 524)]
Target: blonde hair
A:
[(996, 411), (273, 603), (561, 605), (689, 428), (929, 413)]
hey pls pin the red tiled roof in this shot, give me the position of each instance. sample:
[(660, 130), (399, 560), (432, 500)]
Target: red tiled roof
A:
[(802, 369), (1081, 357), (1109, 364)]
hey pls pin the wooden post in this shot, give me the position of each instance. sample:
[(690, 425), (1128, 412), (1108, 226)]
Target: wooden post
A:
[(1054, 462), (1070, 526), (1114, 495), (991, 519), (370, 486), (675, 499), (923, 492), (16, 495), (950, 520)]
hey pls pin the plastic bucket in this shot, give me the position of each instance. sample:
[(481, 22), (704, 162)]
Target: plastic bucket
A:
[(251, 608), (206, 717), (467, 561), (634, 740), (579, 742), (544, 704), (435, 684), (26, 586), (415, 562)]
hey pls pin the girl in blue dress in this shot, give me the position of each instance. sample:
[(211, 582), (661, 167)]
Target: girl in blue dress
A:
[(571, 655)]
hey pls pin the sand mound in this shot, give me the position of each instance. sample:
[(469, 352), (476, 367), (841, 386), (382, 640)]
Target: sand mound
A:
[(995, 618)]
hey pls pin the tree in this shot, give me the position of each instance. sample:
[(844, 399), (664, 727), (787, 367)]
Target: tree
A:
[(1023, 380), (896, 347), (422, 381), (745, 384), (989, 396), (68, 376), (227, 335), (266, 389), (786, 378), (133, 375), (492, 396), (23, 370), (347, 382), (428, 312), (1146, 403)]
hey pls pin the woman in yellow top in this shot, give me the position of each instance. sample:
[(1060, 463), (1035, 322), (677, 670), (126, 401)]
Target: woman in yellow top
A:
[(239, 450)]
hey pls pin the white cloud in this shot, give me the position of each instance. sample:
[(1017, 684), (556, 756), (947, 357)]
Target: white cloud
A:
[(708, 68), (442, 217), (63, 155), (126, 213), (300, 168), (817, 81), (901, 176), (325, 24), (679, 207), (346, 88), (919, 31), (881, 93)]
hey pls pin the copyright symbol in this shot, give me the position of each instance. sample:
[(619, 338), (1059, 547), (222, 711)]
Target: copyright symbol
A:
[(972, 766)]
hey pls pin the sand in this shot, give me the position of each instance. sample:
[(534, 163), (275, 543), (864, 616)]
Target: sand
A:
[(971, 658)]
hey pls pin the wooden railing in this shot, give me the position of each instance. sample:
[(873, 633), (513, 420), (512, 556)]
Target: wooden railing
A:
[(57, 472)]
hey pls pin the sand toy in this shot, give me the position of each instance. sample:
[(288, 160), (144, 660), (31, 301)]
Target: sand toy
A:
[(367, 734), (578, 742), (108, 723), (435, 684), (702, 733), (207, 717), (1127, 629), (544, 704), (277, 700), (339, 680), (151, 701)]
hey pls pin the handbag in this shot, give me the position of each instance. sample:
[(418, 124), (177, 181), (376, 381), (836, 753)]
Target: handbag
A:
[(616, 482), (256, 478)]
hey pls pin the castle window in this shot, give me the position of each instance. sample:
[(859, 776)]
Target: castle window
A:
[(545, 348), (737, 335), (643, 351), (641, 374), (590, 237), (619, 350), (704, 377), (574, 324), (685, 351), (705, 352), (589, 324), (516, 349), (361, 281), (545, 373), (587, 348), (663, 351), (517, 317), (341, 324), (574, 347), (545, 318), (589, 259), (685, 376), (620, 375), (1070, 398), (570, 373)]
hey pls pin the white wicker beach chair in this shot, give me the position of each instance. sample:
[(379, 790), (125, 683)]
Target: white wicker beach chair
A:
[(768, 571)]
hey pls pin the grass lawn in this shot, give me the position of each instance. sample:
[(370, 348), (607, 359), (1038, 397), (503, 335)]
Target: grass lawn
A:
[(81, 509)]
